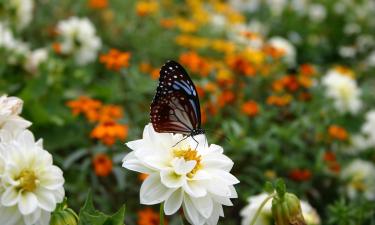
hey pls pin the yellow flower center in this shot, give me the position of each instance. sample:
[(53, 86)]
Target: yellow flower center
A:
[(188, 155), (28, 180)]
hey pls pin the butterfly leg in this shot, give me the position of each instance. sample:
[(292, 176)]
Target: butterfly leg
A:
[(180, 141)]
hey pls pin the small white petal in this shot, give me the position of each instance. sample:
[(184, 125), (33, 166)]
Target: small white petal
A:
[(27, 203), (153, 191), (173, 203), (170, 179), (183, 167)]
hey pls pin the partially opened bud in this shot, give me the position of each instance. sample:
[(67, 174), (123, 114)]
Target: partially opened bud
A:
[(286, 210), (64, 216)]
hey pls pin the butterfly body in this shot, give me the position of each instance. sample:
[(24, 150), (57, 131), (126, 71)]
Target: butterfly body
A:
[(175, 107)]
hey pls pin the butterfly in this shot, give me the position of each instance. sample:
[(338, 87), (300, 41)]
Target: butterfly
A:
[(175, 107)]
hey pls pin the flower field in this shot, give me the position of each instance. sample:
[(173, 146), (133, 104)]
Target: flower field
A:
[(285, 87)]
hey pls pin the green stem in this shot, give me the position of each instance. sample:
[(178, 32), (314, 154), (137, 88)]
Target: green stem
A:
[(161, 214), (260, 208)]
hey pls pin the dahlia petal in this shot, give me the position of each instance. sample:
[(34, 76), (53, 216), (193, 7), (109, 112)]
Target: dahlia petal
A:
[(10, 215), (191, 212), (153, 191), (173, 203), (170, 179), (195, 189), (131, 162), (183, 167), (27, 203), (204, 205), (10, 197), (46, 200)]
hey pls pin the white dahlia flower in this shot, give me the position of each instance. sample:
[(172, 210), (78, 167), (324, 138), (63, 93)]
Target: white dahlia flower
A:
[(265, 218), (79, 38), (30, 185), (343, 90), (360, 177), (188, 173), (34, 59), (10, 108)]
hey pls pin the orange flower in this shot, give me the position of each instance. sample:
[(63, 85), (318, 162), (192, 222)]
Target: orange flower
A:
[(102, 165), (167, 23), (155, 73), (108, 132), (286, 82), (115, 60), (330, 158), (195, 63), (305, 81), (98, 4), (145, 8), (307, 69), (225, 97), (200, 91), (337, 132), (250, 108), (110, 113), (148, 216), (145, 67), (241, 65), (142, 176), (56, 47), (87, 106), (300, 174), (279, 100), (210, 87)]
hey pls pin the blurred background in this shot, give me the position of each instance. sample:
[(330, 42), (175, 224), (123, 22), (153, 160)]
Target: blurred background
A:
[(286, 87)]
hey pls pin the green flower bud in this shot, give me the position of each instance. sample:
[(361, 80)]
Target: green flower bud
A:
[(63, 215), (286, 210)]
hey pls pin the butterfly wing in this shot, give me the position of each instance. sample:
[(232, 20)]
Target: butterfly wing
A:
[(175, 107)]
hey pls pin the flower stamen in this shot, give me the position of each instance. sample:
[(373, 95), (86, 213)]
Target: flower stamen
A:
[(28, 180), (188, 155)]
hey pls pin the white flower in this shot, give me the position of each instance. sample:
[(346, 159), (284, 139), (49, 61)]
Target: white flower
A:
[(360, 177), (277, 6), (191, 174), (368, 128), (15, 47), (35, 58), (283, 45), (10, 108), (347, 51), (31, 185), (79, 38), (22, 10), (317, 12), (265, 217), (371, 59), (343, 90), (250, 35)]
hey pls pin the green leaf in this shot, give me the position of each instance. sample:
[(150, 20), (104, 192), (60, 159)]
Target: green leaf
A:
[(88, 215)]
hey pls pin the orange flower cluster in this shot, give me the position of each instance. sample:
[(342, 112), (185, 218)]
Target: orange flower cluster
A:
[(115, 59), (107, 130), (337, 132), (300, 174), (145, 8), (330, 158), (241, 65), (98, 4), (148, 216), (102, 165), (289, 83), (280, 101), (250, 108), (87, 106), (225, 97), (195, 63)]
